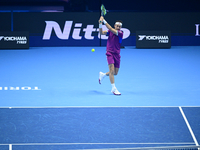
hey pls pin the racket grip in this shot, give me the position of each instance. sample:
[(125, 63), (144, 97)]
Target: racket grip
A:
[(101, 15)]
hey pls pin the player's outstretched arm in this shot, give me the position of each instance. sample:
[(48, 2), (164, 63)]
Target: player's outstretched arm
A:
[(100, 27), (108, 26), (111, 29)]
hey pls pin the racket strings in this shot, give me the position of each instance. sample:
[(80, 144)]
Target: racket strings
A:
[(103, 9)]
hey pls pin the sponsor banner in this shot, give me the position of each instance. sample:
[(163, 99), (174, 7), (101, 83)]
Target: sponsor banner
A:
[(153, 39), (81, 29), (185, 40), (63, 29), (197, 29), (14, 40)]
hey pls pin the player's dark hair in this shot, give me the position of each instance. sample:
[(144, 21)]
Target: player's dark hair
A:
[(119, 21)]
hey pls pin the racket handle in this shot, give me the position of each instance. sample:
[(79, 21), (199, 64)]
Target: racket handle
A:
[(101, 15)]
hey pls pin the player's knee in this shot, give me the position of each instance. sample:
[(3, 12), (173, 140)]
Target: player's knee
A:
[(112, 72), (115, 73)]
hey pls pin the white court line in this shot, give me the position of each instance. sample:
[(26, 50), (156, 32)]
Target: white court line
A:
[(10, 146), (45, 144), (189, 127), (190, 143), (96, 106)]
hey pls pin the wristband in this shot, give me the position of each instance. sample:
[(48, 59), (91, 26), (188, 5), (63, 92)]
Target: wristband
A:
[(100, 25), (104, 21)]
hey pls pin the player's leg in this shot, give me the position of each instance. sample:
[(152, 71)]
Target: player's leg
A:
[(117, 59), (116, 70), (113, 70), (111, 73), (110, 60)]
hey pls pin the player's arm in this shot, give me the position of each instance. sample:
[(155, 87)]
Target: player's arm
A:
[(102, 32), (100, 28), (108, 26)]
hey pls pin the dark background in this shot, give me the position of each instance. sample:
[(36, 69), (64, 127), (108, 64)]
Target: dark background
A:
[(111, 5), (177, 16), (6, 25), (181, 25)]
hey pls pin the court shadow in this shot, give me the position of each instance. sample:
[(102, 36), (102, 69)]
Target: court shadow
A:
[(97, 92)]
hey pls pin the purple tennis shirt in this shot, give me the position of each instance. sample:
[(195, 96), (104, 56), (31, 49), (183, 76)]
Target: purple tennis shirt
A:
[(114, 41)]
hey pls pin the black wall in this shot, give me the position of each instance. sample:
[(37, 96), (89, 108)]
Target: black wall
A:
[(114, 5)]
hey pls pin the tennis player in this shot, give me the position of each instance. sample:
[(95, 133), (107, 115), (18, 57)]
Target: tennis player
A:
[(115, 36)]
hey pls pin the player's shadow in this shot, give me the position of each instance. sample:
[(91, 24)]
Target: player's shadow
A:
[(97, 92)]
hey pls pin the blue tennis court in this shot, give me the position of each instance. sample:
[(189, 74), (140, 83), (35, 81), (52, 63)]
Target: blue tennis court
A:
[(51, 98)]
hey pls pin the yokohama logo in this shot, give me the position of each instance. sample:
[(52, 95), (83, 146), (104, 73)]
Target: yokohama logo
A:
[(13, 38), (17, 39), (76, 30), (164, 37), (1, 37), (141, 37)]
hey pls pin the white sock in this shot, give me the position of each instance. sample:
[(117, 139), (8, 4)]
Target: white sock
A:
[(113, 85)]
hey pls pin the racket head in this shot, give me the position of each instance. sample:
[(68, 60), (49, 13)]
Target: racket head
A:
[(103, 10)]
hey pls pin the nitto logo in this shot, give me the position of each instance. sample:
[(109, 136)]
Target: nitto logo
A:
[(52, 25), (197, 30), (24, 88)]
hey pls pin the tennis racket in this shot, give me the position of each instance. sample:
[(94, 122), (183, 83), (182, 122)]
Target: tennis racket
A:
[(103, 10)]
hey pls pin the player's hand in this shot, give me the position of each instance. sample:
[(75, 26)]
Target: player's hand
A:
[(100, 21), (102, 18)]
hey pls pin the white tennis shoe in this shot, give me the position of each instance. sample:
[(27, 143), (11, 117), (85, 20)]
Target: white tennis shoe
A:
[(115, 91), (101, 76)]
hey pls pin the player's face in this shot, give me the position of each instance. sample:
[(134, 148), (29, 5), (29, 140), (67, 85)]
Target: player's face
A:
[(117, 27)]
